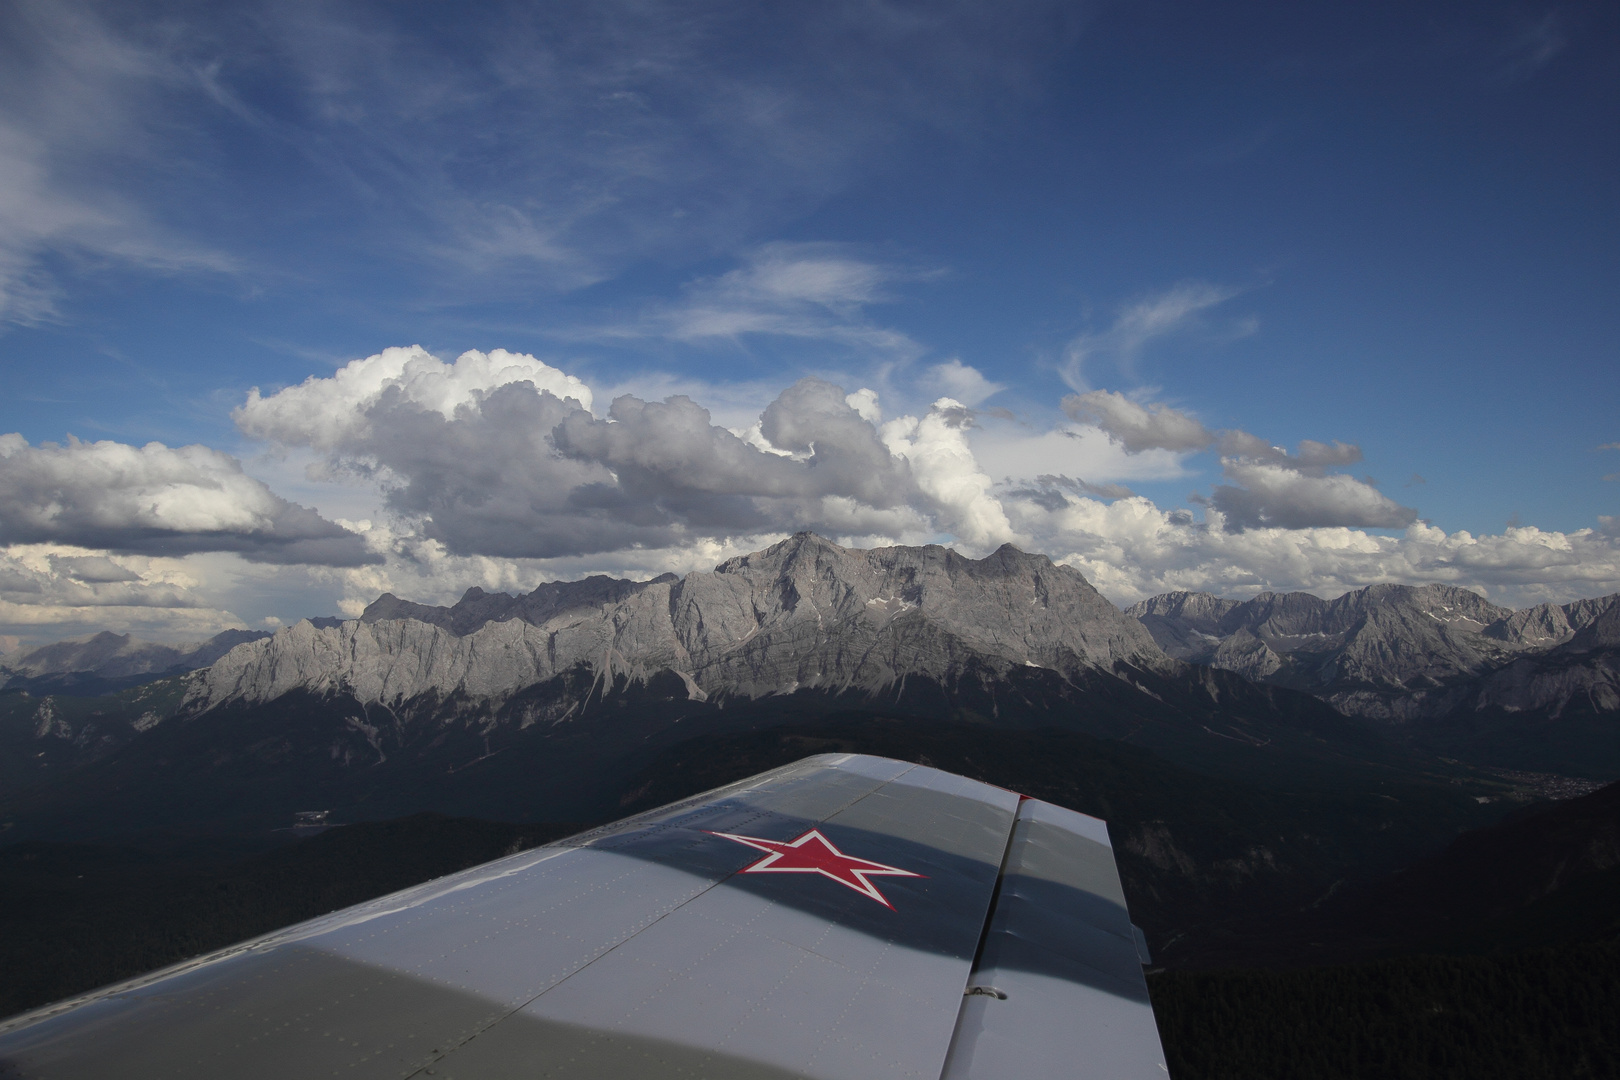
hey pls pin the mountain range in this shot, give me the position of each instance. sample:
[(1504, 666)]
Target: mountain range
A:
[(104, 662), (1440, 666), (1012, 636), (1252, 756), (1535, 687), (804, 614), (541, 705), (1397, 651)]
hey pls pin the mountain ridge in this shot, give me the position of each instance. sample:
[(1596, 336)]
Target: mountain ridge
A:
[(804, 613), (103, 661), (1392, 652)]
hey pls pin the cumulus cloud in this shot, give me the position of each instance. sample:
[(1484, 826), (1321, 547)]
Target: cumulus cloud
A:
[(865, 403), (1312, 457), (1082, 487), (946, 471), (1270, 486), (1138, 427), (963, 382), (1132, 549), (328, 413), (1275, 495), (51, 591), (504, 466), (92, 569), (672, 465), (505, 483), (61, 583), (155, 499), (1018, 451), (1295, 491)]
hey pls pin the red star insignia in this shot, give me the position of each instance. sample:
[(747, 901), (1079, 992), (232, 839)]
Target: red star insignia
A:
[(813, 853)]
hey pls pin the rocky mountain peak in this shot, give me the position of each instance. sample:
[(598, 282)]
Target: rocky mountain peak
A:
[(802, 548), (1582, 613), (1443, 603), (1280, 615), (1603, 632), (1202, 610), (1539, 626)]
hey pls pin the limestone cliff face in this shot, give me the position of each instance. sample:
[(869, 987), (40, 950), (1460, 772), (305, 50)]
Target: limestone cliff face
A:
[(477, 607), (1247, 655), (1186, 625), (805, 613), (1541, 626), (1554, 682)]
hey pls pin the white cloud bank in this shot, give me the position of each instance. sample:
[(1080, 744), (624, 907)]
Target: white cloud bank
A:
[(513, 471), (1132, 549), (500, 455), (333, 412), (493, 470), (52, 591), (157, 500)]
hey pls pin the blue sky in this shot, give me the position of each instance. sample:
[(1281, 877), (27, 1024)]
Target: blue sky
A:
[(1271, 295)]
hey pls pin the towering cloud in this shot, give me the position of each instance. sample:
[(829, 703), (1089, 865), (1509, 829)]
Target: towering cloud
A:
[(336, 412), (500, 455)]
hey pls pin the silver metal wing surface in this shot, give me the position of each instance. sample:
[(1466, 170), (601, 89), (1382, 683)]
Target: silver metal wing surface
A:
[(845, 916)]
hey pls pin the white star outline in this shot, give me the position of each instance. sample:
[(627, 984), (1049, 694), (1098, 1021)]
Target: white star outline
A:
[(773, 848)]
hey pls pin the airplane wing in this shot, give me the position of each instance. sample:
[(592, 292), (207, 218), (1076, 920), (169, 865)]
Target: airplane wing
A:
[(845, 916)]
